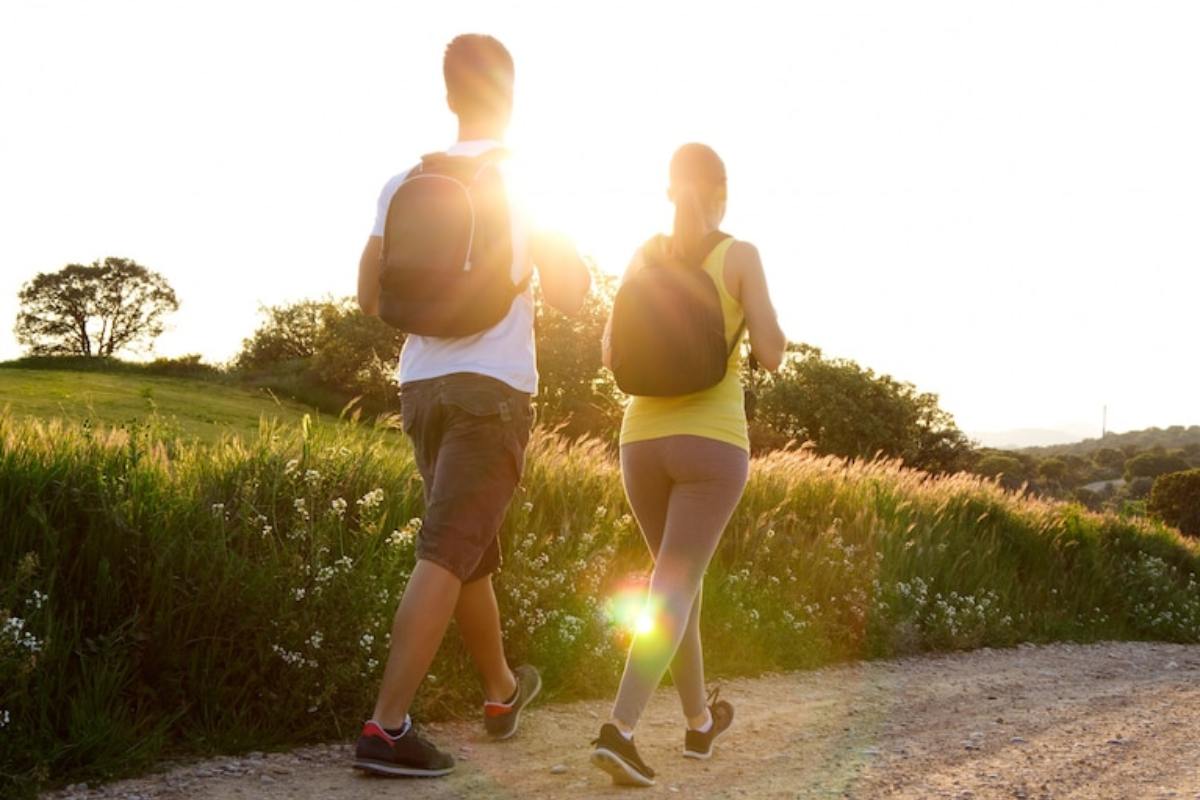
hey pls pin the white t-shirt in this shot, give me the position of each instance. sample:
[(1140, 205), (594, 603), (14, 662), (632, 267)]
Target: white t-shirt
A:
[(505, 351)]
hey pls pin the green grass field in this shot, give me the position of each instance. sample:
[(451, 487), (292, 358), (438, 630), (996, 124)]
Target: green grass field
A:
[(194, 408), (165, 595)]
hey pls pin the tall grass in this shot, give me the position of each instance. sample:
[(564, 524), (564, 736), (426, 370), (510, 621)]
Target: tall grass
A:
[(158, 595)]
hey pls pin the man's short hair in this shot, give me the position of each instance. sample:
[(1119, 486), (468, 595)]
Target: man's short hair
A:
[(479, 76)]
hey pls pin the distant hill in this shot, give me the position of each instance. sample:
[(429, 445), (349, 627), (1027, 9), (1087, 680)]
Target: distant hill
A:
[(1174, 437), (197, 408), (1026, 437)]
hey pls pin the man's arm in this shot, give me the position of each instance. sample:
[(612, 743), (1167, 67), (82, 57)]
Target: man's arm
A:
[(564, 277), (368, 276)]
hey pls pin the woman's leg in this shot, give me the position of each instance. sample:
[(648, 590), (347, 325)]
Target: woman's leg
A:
[(708, 480), (687, 667)]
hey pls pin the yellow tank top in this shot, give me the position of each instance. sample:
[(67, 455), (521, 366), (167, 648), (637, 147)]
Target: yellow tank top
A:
[(718, 412)]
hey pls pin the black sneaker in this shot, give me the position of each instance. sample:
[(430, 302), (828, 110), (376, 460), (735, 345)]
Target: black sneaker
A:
[(700, 745), (617, 756), (500, 719), (409, 754)]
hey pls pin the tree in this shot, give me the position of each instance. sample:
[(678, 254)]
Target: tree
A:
[(290, 332), (576, 393), (1007, 468), (93, 310), (328, 345), (849, 411), (1151, 465), (1053, 470), (1175, 499), (1109, 458)]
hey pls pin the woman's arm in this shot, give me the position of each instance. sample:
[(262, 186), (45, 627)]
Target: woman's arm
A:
[(767, 340)]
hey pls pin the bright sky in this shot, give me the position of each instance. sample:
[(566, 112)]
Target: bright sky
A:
[(999, 202)]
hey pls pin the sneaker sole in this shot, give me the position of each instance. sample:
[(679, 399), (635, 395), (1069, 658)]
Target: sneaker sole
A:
[(396, 771), (706, 756), (500, 737), (621, 773)]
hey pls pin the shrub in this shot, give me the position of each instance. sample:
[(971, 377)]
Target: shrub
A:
[(1152, 464), (162, 596), (1175, 499)]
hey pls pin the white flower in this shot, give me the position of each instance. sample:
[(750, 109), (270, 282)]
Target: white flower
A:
[(312, 476), (338, 506), (5, 718), (291, 466), (371, 499), (266, 531), (38, 599), (218, 509), (300, 507), (367, 641), (298, 593), (315, 640)]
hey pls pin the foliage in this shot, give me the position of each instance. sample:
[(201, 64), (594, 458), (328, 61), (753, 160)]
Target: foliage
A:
[(158, 595), (846, 410), (1007, 468), (1175, 499), (1175, 436), (1153, 464), (93, 310), (325, 352), (577, 395)]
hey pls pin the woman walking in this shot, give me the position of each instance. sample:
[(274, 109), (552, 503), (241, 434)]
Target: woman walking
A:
[(684, 457)]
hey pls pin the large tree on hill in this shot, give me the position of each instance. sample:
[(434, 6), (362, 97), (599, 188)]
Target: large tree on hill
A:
[(846, 410), (93, 310)]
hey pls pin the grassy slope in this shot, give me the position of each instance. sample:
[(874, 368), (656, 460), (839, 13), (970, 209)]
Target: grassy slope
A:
[(160, 596), (197, 409)]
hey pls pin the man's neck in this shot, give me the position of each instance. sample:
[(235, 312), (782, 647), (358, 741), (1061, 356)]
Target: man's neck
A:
[(474, 131)]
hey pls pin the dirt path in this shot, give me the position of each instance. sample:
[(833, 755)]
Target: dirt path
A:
[(1063, 721)]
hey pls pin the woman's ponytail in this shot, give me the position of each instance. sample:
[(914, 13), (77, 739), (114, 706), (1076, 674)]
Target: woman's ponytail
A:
[(697, 183), (690, 223)]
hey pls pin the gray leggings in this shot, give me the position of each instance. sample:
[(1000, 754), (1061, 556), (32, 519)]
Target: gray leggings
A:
[(683, 490)]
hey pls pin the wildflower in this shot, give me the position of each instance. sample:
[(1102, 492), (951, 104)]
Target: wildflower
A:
[(300, 507), (371, 499), (5, 718), (38, 599), (266, 531), (291, 466), (315, 640), (218, 509), (312, 476), (338, 506), (372, 664), (298, 593), (527, 506), (367, 641)]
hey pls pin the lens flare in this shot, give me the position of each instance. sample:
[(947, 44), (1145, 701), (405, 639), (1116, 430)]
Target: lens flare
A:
[(627, 608)]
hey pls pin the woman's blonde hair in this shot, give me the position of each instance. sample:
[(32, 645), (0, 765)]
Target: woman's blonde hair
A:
[(697, 183)]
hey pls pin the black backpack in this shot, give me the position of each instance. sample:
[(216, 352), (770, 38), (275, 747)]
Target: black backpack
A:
[(447, 249), (668, 330)]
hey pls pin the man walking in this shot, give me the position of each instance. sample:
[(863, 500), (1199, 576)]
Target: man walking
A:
[(449, 261)]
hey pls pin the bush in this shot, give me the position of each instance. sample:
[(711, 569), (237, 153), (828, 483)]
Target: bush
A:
[(1152, 464), (1175, 499), (159, 596)]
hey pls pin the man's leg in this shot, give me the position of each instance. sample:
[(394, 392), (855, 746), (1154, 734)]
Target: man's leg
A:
[(478, 618), (417, 631)]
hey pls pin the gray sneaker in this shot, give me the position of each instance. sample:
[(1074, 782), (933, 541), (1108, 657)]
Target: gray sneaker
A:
[(500, 719)]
